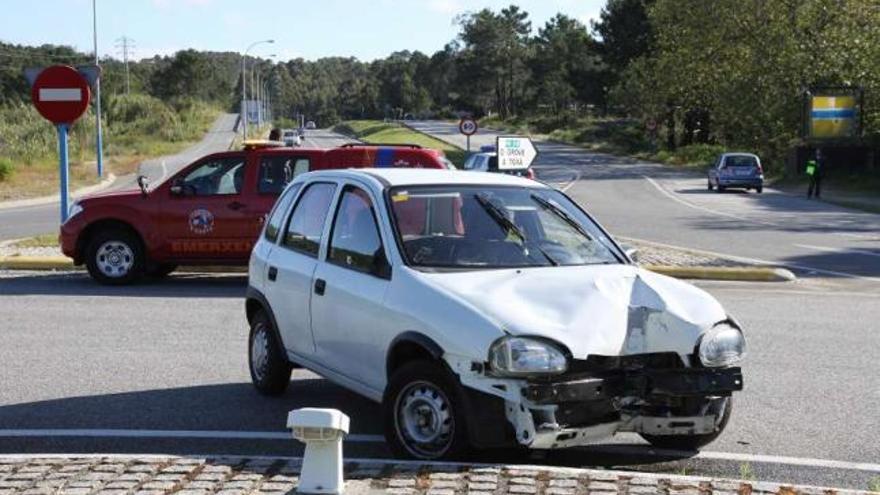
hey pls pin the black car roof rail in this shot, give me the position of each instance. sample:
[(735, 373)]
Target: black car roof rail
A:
[(400, 145)]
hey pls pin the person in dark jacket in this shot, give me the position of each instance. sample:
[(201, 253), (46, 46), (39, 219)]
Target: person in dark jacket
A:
[(815, 171), (275, 134)]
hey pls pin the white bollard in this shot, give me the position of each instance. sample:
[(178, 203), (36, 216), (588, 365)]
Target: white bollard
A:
[(322, 431)]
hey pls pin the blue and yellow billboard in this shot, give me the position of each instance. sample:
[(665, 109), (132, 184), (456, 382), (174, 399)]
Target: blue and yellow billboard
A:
[(833, 117)]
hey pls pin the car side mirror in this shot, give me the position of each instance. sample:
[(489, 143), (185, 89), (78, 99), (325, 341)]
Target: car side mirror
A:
[(177, 188), (631, 252), (381, 266)]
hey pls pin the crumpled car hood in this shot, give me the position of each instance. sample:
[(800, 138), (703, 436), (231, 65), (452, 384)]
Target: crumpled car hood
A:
[(603, 309)]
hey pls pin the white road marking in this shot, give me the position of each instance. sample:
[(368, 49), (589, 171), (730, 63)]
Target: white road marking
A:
[(675, 198), (60, 94), (838, 250), (209, 434), (638, 450)]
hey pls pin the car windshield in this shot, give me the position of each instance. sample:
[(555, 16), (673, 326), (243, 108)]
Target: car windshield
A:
[(495, 227)]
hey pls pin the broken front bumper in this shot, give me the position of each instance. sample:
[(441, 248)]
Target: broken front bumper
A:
[(550, 405), (689, 382)]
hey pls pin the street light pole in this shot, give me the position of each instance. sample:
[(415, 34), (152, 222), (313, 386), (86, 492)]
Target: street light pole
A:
[(99, 140), (244, 113)]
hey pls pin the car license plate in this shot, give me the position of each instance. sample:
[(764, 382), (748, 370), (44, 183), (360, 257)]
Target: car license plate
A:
[(744, 172)]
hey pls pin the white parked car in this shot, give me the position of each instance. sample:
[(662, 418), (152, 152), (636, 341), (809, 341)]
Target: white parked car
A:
[(291, 138), (482, 310)]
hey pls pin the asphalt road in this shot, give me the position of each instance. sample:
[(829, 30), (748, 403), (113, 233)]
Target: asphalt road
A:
[(35, 220), (323, 138), (656, 203), (165, 359)]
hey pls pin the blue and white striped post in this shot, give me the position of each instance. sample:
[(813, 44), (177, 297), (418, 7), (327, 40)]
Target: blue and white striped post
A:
[(62, 155)]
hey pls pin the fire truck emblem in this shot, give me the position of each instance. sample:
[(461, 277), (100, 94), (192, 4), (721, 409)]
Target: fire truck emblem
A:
[(201, 221)]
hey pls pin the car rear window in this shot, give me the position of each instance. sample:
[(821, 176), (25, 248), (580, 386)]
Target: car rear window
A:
[(740, 161), (307, 221)]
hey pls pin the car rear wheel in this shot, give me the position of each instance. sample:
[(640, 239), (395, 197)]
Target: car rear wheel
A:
[(115, 257), (423, 413), (270, 369), (759, 189), (709, 185), (721, 406), (720, 188)]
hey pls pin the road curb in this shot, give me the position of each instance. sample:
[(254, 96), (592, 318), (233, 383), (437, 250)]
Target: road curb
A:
[(734, 273), (36, 263), (746, 274), (42, 263), (46, 200)]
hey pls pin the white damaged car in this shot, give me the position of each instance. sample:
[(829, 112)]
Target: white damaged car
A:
[(483, 310)]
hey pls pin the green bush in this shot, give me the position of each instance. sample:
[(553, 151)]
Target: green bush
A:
[(6, 169), (697, 154)]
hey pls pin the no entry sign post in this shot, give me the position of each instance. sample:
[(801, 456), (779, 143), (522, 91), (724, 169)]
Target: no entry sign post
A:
[(61, 95)]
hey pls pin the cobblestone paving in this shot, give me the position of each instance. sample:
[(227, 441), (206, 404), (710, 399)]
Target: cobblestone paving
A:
[(276, 476), (651, 254)]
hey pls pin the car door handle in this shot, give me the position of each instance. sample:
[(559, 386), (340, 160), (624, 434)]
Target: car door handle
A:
[(320, 286), (235, 205), (273, 273)]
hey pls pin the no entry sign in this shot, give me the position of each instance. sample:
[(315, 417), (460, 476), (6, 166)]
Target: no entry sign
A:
[(60, 94)]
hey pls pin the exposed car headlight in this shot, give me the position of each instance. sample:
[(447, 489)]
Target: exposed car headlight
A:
[(723, 345), (75, 209), (521, 356)]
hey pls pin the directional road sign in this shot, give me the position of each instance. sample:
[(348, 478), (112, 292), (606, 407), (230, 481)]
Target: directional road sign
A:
[(515, 152)]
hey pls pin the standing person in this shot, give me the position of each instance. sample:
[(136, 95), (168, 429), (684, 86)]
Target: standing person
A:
[(815, 170), (275, 134)]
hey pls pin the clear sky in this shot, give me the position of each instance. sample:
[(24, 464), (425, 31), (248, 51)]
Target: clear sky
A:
[(302, 28)]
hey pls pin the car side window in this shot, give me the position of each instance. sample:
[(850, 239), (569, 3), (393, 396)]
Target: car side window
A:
[(273, 224), (277, 171), (306, 224), (469, 163), (355, 242), (221, 176)]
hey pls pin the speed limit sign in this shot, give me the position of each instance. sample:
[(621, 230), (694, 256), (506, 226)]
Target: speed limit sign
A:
[(467, 126)]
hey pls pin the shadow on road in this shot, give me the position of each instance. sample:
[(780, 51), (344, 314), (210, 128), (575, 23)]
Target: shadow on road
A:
[(225, 407), (237, 407), (79, 284)]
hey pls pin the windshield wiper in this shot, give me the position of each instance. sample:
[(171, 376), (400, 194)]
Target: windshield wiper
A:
[(507, 224), (559, 212)]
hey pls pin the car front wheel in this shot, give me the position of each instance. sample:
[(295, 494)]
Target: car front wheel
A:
[(423, 413), (270, 369), (115, 257), (720, 407)]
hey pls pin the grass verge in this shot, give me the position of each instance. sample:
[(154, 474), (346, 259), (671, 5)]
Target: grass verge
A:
[(44, 240), (376, 132), (136, 128)]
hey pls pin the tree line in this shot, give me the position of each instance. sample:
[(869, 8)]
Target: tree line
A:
[(728, 71)]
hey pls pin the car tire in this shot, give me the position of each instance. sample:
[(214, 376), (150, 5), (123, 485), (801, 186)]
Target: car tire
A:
[(423, 413), (691, 442), (759, 189), (720, 189), (709, 185), (115, 257), (269, 367), (161, 270)]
